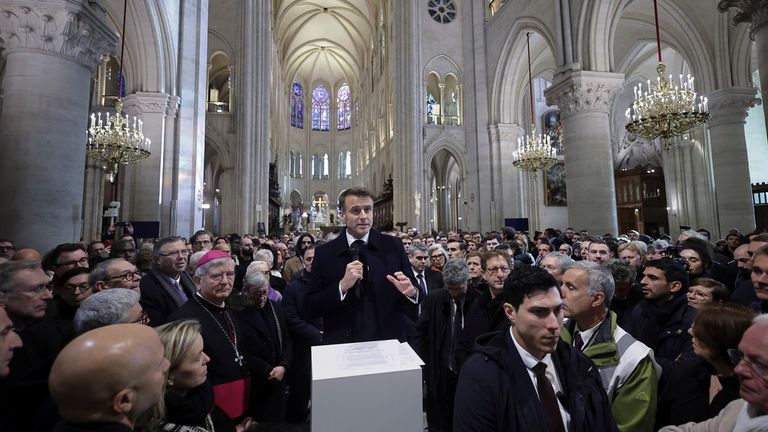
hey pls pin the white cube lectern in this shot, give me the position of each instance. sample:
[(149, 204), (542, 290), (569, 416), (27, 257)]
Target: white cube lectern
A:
[(366, 386)]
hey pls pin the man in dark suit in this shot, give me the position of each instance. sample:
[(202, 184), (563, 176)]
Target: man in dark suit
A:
[(435, 338), (362, 284), (524, 378), (166, 286)]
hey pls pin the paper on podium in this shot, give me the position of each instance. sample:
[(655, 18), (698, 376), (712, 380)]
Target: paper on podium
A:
[(352, 382), (362, 358)]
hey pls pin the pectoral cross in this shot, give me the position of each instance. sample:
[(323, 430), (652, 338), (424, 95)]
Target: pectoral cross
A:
[(239, 358)]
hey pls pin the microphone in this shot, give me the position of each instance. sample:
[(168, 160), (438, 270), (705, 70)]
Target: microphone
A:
[(354, 249)]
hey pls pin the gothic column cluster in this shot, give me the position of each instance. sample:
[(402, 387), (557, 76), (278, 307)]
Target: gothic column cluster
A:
[(43, 121)]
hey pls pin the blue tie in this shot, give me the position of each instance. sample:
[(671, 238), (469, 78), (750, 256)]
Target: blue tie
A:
[(422, 287)]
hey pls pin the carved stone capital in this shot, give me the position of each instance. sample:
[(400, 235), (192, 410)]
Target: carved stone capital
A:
[(71, 28), (174, 102), (141, 103), (505, 132), (754, 12), (730, 105), (584, 91)]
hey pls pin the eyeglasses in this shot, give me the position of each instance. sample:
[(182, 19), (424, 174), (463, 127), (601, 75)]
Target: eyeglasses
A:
[(127, 276), (736, 356), (82, 261), (83, 288), (7, 248), (434, 257), (38, 290), (218, 277), (176, 253), (142, 319), (494, 270)]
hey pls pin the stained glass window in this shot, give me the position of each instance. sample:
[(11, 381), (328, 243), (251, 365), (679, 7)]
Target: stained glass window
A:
[(297, 106), (345, 164), (321, 117), (344, 108)]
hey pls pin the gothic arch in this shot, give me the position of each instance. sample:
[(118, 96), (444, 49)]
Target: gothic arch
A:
[(442, 65), (509, 81), (217, 43), (150, 55)]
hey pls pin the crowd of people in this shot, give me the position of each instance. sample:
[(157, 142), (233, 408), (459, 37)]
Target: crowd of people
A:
[(559, 330)]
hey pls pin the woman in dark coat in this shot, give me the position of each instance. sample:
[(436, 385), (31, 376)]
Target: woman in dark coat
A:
[(188, 399), (702, 386), (267, 348)]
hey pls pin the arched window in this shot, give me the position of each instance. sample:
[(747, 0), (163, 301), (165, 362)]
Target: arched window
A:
[(345, 165), (314, 167), (297, 105), (344, 108), (300, 166), (292, 164), (320, 109), (325, 166)]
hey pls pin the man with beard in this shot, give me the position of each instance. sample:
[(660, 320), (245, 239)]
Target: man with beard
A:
[(166, 286), (294, 264), (244, 258)]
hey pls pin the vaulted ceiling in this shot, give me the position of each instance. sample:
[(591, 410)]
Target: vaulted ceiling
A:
[(324, 40)]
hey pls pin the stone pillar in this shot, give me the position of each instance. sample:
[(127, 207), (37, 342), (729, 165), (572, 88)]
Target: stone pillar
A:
[(729, 156), (253, 113), (504, 137), (754, 12), (410, 169), (93, 207), (189, 142), (145, 182), (585, 100), (442, 103), (689, 185), (51, 49), (168, 220)]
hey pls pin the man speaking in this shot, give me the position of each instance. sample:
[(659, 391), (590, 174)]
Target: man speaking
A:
[(361, 283)]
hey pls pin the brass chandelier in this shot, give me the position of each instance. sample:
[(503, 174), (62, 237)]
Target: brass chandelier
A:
[(114, 139), (667, 109), (534, 151)]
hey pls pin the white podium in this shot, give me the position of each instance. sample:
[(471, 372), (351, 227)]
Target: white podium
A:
[(367, 386)]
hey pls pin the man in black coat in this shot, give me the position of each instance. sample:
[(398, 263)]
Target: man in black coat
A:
[(435, 338), (362, 284), (166, 286), (305, 332), (486, 313), (525, 378), (662, 319)]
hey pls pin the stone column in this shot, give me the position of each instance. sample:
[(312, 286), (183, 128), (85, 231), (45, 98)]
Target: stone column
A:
[(729, 156), (171, 153), (754, 12), (585, 99), (146, 178), (189, 142), (689, 185), (51, 49), (253, 113), (410, 169), (504, 137)]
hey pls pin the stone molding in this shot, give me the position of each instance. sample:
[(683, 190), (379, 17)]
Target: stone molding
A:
[(584, 91), (505, 132), (730, 105), (63, 27), (174, 103), (145, 103), (754, 12)]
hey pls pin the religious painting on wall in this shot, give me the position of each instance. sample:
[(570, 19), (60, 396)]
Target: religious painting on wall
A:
[(553, 128), (554, 186)]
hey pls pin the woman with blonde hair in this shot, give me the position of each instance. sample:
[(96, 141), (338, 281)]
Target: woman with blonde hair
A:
[(188, 401)]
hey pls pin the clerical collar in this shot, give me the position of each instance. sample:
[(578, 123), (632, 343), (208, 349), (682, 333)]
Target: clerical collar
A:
[(223, 304), (351, 238)]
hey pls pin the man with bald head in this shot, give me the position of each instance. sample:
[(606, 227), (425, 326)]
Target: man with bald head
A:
[(105, 379), (26, 254)]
